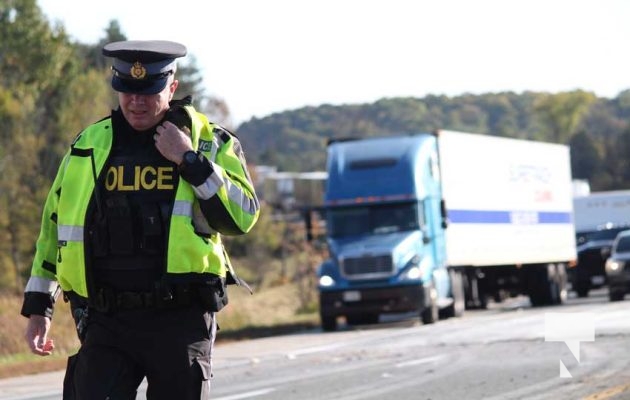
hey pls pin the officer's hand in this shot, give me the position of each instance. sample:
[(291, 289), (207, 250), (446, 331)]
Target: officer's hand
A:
[(172, 142), (36, 332)]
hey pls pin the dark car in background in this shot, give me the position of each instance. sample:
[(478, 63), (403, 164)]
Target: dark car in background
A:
[(618, 267), (593, 250)]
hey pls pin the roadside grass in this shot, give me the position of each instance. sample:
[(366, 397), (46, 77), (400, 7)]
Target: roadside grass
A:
[(268, 311)]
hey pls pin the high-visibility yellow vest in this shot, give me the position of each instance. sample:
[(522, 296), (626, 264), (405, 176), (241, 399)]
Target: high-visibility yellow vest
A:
[(193, 247)]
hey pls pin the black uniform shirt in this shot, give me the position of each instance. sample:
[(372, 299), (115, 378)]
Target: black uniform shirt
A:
[(138, 191)]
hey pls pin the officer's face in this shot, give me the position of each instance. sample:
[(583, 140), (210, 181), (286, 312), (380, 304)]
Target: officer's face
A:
[(144, 111)]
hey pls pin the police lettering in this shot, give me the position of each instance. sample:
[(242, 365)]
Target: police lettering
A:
[(146, 178)]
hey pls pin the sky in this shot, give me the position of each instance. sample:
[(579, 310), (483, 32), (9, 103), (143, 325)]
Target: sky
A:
[(268, 56)]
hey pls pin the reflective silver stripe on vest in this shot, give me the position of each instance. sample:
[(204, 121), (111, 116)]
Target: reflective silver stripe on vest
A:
[(214, 148), (41, 285), (250, 206), (70, 233), (182, 208), (211, 186)]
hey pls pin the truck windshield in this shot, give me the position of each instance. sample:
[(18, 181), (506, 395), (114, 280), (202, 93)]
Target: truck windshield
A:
[(372, 219)]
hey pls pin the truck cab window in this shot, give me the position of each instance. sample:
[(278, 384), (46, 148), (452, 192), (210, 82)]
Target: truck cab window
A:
[(372, 219)]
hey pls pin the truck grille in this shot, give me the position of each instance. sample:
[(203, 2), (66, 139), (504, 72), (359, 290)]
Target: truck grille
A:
[(367, 267)]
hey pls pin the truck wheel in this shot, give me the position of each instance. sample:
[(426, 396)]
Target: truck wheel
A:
[(546, 285), (456, 309), (615, 294), (582, 290), (430, 313), (562, 280), (329, 324), (474, 296)]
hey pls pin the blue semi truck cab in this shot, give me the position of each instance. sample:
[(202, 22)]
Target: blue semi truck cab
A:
[(434, 223), (385, 223)]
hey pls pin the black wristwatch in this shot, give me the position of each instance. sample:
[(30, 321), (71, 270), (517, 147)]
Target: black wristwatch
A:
[(190, 158)]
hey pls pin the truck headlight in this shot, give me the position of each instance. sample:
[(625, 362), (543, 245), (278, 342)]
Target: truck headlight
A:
[(613, 266), (413, 273), (326, 281)]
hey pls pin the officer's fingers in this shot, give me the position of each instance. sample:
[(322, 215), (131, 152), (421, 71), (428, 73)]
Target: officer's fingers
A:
[(49, 346), (32, 343), (166, 125), (42, 348), (36, 345), (32, 334), (35, 335), (161, 128)]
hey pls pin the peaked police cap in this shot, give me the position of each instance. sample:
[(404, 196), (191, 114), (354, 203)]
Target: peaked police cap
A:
[(142, 66)]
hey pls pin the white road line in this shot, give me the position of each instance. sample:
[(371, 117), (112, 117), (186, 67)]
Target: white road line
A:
[(247, 395), (316, 349), (38, 395), (419, 361)]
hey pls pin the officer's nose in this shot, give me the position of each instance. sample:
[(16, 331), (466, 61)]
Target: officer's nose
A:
[(138, 98)]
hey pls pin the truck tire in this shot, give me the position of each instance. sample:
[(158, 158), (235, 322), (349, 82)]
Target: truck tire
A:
[(562, 279), (329, 324), (582, 289), (474, 296), (456, 309), (616, 294), (547, 284), (582, 284), (430, 313)]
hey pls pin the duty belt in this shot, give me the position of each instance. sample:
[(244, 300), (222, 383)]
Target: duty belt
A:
[(109, 300)]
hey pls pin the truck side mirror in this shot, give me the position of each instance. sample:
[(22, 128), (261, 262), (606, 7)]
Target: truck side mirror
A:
[(308, 225), (443, 214)]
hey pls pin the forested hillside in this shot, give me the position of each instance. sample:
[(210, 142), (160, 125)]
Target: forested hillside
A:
[(597, 129), (52, 87)]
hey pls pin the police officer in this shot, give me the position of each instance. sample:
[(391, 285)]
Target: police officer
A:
[(131, 235)]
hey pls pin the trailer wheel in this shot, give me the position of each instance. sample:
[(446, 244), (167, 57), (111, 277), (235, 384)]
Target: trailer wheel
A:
[(547, 285), (582, 289), (430, 313), (474, 296), (456, 309), (562, 280), (329, 324)]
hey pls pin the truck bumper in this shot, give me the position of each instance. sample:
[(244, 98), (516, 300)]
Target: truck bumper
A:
[(372, 301)]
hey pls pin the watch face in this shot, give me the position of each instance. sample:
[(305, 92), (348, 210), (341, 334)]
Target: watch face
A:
[(190, 157)]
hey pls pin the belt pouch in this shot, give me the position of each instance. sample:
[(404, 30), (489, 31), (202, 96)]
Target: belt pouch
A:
[(212, 294)]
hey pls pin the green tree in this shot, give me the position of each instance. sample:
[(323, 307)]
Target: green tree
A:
[(622, 152), (562, 113), (33, 62), (586, 161)]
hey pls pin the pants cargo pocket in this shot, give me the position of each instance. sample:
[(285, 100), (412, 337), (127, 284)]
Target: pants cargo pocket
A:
[(205, 373)]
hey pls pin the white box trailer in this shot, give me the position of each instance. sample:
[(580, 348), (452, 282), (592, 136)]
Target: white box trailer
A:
[(599, 209), (510, 215)]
